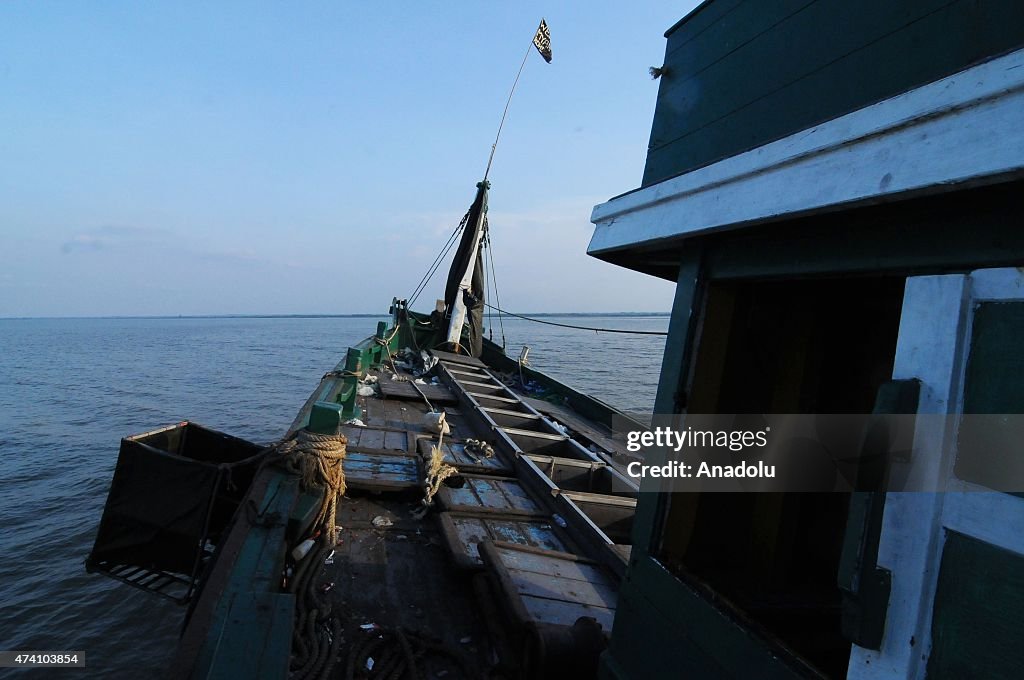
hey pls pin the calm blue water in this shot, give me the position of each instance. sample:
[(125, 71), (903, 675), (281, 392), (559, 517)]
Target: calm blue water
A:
[(71, 388)]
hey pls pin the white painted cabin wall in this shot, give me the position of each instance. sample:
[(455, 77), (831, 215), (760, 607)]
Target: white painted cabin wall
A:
[(933, 346)]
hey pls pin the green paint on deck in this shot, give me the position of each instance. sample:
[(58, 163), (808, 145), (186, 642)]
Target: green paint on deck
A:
[(256, 576)]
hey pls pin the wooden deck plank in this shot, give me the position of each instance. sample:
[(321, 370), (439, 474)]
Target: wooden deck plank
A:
[(399, 577), (536, 534), (455, 454), (352, 434), (371, 438), (594, 593), (464, 532), (257, 638), (395, 414), (467, 372), (518, 497), (402, 390), (381, 471), (598, 434), (395, 440), (376, 465), (565, 613), (450, 358), (555, 568), (540, 595), (490, 494)]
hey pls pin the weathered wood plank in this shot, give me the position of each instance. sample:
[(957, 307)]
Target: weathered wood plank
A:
[(352, 434), (455, 454), (554, 567), (574, 421), (395, 440), (468, 371), (463, 534), (597, 593), (565, 613), (376, 465), (450, 358), (479, 386), (490, 494), (381, 471), (519, 498), (536, 597), (256, 641), (402, 390), (371, 438)]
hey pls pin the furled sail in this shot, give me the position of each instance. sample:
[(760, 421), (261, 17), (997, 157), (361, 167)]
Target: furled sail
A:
[(464, 292)]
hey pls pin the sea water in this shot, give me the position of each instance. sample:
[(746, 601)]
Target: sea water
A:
[(71, 388)]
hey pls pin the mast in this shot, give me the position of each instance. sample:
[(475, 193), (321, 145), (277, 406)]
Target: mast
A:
[(464, 292)]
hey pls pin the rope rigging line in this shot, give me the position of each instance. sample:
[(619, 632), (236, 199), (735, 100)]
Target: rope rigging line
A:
[(580, 328), (432, 269), (487, 296), (505, 112), (494, 283)]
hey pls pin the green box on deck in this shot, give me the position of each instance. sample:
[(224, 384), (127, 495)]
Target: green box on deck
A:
[(325, 417)]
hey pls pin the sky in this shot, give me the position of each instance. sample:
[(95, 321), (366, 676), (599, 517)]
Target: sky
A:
[(312, 157)]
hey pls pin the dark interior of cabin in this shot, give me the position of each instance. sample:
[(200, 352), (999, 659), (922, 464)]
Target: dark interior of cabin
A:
[(804, 346)]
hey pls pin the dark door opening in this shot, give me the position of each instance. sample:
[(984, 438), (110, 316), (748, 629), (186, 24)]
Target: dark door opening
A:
[(806, 346)]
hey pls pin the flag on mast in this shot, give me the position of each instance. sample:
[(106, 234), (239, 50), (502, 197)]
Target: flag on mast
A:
[(542, 41)]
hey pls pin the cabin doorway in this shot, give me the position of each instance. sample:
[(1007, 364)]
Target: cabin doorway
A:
[(803, 346)]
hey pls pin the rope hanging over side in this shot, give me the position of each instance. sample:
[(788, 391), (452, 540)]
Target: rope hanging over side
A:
[(317, 459), (580, 328)]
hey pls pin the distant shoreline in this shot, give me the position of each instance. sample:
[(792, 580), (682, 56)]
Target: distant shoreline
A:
[(325, 316)]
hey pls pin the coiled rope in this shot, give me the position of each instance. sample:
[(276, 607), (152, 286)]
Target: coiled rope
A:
[(317, 459), (397, 653)]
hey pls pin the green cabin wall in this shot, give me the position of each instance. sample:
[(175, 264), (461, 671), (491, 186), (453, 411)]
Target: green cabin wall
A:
[(975, 628), (658, 614), (666, 627), (742, 73)]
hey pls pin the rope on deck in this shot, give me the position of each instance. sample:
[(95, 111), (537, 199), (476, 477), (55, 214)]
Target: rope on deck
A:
[(437, 471), (398, 654)]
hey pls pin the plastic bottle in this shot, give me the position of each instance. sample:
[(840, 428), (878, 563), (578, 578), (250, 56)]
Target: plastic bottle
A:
[(302, 548)]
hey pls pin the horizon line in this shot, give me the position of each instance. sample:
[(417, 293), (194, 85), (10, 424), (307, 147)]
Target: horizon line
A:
[(358, 315)]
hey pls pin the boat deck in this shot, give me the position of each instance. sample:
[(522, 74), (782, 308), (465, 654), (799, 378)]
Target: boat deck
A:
[(398, 577), (546, 498), (513, 572)]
